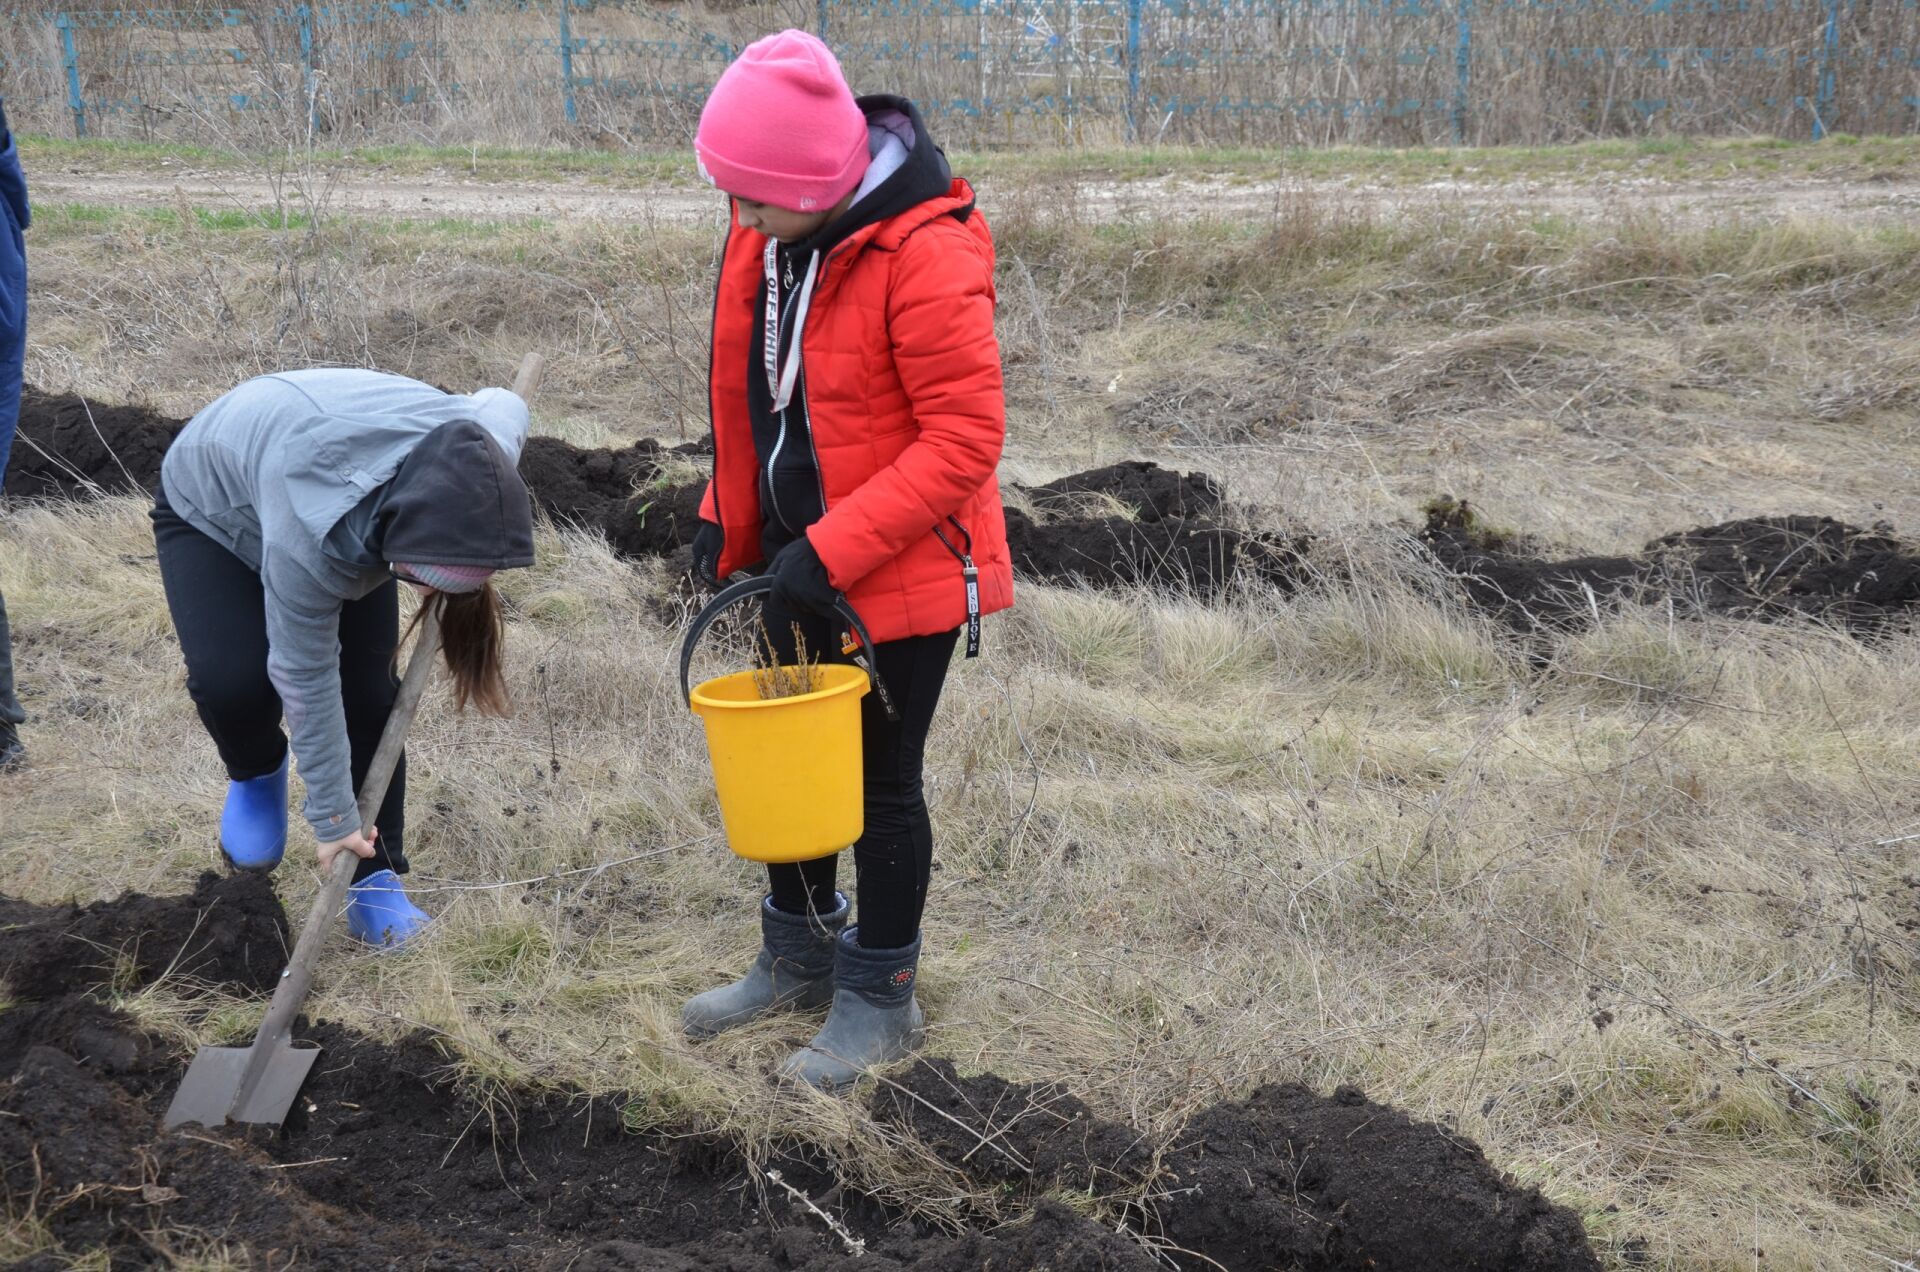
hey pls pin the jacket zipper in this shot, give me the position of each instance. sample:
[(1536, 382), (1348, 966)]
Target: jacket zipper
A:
[(806, 414)]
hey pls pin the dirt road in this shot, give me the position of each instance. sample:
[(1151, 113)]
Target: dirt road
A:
[(450, 194)]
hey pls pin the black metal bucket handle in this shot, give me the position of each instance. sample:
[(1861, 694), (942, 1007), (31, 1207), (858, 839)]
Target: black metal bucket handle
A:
[(732, 595)]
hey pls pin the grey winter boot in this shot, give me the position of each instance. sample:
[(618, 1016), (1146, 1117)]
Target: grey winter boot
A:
[(874, 1019), (794, 972)]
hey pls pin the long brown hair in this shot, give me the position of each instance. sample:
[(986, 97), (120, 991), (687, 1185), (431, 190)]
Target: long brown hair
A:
[(473, 632)]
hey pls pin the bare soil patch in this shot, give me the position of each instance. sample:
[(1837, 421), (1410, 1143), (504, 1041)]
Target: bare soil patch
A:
[(389, 1160)]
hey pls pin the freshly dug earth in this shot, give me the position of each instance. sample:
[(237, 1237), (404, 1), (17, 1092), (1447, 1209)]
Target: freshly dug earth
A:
[(228, 932), (1287, 1178), (389, 1161), (617, 492), (1760, 567), (1133, 523), (1159, 529), (69, 446)]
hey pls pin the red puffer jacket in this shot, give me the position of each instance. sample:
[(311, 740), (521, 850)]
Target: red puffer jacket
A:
[(904, 395)]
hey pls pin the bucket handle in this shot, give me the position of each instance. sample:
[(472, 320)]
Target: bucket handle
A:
[(759, 586)]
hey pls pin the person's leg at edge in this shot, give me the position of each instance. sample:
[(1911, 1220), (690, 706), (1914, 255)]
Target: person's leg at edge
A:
[(11, 714)]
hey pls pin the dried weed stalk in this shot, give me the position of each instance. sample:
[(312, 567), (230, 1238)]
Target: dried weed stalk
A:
[(774, 679)]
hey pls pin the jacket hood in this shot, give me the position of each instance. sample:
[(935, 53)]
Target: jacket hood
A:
[(924, 176), (457, 499)]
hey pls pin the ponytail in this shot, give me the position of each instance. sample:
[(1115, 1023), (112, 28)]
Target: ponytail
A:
[(472, 635)]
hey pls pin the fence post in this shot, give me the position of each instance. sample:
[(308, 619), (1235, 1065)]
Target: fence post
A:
[(566, 59), (1823, 98), (70, 59), (820, 20), (1463, 72), (1134, 8), (305, 13)]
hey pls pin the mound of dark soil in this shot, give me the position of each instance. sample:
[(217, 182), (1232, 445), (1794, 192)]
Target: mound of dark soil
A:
[(1287, 1178), (1760, 567), (388, 1161), (69, 446), (1184, 554), (618, 492), (1153, 493), (1170, 536), (229, 932), (1167, 533)]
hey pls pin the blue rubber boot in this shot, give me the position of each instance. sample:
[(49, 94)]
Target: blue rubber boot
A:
[(253, 825), (378, 912)]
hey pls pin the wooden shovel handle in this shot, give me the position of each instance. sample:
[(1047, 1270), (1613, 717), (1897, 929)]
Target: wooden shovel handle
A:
[(526, 383), (298, 976)]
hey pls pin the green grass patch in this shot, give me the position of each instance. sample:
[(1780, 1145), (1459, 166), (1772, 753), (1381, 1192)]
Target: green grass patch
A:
[(58, 219), (1675, 158)]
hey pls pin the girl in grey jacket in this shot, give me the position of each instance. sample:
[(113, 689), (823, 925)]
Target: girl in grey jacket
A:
[(288, 510)]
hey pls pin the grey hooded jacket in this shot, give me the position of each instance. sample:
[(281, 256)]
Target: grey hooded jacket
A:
[(279, 471)]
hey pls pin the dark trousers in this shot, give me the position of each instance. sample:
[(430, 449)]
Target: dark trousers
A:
[(10, 710), (219, 611), (893, 859)]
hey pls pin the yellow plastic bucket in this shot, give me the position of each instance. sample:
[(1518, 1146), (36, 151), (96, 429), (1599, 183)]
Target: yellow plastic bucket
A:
[(787, 770)]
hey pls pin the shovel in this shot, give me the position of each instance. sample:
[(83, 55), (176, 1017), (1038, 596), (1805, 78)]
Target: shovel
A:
[(259, 1083)]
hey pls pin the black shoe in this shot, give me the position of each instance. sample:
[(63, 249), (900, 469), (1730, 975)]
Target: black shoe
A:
[(13, 756)]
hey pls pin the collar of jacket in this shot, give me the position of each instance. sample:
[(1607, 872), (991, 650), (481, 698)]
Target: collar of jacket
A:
[(885, 236)]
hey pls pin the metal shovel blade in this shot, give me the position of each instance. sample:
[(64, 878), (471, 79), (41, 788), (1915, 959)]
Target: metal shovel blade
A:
[(215, 1091)]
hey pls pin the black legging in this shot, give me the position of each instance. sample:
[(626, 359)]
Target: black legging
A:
[(893, 858), (219, 611)]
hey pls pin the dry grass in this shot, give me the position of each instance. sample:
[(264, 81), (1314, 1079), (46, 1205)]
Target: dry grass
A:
[(1632, 920), (1634, 909)]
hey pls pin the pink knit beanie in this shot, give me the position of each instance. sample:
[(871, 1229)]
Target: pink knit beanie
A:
[(781, 127)]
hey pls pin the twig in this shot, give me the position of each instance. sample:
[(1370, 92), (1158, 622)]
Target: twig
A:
[(553, 743), (106, 445), (1846, 864), (855, 1246), (318, 1161), (921, 1100), (560, 874), (1019, 731)]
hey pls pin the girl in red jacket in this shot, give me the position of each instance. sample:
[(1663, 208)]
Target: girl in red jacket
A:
[(857, 425)]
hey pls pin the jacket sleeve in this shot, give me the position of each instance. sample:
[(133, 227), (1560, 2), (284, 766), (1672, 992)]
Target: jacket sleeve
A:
[(303, 661), (940, 328)]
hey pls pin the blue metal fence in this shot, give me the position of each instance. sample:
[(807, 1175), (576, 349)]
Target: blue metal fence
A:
[(1456, 71)]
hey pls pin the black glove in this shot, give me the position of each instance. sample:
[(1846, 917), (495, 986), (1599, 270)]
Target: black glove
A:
[(800, 581), (707, 542)]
